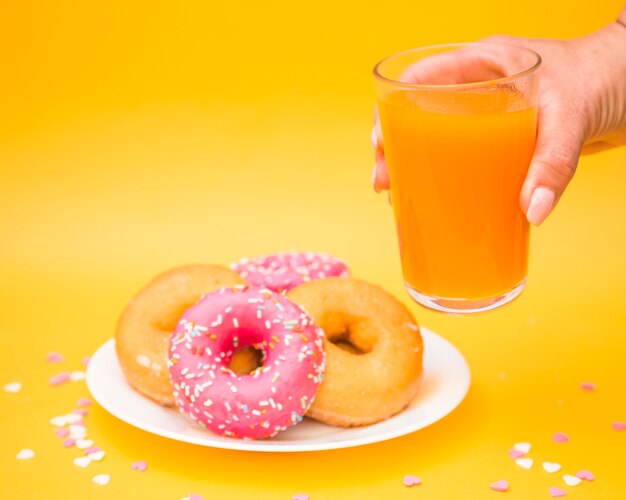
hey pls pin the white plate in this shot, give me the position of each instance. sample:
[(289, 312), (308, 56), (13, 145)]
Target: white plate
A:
[(445, 382)]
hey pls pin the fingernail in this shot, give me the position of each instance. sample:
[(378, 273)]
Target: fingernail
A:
[(374, 183), (541, 204), (374, 138)]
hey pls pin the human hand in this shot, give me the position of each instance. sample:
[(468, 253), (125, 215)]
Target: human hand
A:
[(582, 100)]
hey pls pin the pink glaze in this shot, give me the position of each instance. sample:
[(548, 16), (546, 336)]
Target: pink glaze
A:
[(283, 271), (273, 397)]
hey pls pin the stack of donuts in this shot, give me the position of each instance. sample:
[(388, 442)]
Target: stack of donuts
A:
[(247, 352)]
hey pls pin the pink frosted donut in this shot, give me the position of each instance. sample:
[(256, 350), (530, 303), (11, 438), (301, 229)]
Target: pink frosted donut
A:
[(270, 399), (283, 271)]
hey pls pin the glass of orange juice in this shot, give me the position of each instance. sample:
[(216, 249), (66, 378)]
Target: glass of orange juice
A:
[(459, 124)]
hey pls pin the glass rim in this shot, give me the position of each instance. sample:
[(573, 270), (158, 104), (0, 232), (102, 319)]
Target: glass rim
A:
[(453, 86)]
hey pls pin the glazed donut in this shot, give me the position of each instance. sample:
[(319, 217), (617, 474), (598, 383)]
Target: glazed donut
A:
[(144, 328), (373, 348), (274, 396), (285, 270)]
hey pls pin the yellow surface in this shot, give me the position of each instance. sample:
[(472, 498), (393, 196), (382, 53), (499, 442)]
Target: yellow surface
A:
[(139, 136)]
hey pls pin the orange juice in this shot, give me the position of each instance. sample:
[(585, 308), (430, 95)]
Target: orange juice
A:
[(455, 185)]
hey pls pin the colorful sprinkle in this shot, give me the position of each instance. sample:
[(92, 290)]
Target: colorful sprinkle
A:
[(82, 462), (513, 453), (501, 485), (13, 387), (523, 447), (525, 463), (85, 361), (97, 456), (551, 467), (101, 479), (193, 496), (572, 480), (618, 426), (588, 386), (139, 465), (25, 454), (585, 475), (54, 357), (410, 480), (84, 402), (59, 379), (560, 437), (68, 443), (61, 432), (557, 492), (77, 375)]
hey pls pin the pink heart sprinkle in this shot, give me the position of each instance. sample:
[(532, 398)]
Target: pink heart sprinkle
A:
[(54, 357), (300, 496), (557, 492), (514, 454), (81, 423), (560, 437), (84, 402), (92, 449), (68, 443), (501, 485), (588, 386), (61, 432), (81, 412), (86, 360), (139, 465), (585, 474), (619, 426), (59, 379), (193, 496), (410, 480)]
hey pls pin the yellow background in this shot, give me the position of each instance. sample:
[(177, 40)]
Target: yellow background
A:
[(137, 136)]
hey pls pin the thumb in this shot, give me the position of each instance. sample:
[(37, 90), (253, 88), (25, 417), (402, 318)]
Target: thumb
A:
[(553, 164)]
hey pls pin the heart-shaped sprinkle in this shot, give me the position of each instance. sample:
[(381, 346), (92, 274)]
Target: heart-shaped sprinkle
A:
[(84, 402), (25, 454), (101, 479), (96, 456), (54, 357), (516, 453), (300, 496), (60, 421), (585, 475), (59, 379), (525, 463), (81, 411), (13, 387), (410, 480), (92, 449), (139, 465), (501, 485), (560, 437), (618, 426), (77, 375), (551, 467), (81, 444), (78, 435), (557, 492), (72, 418), (68, 443), (62, 432), (572, 480), (82, 462), (193, 496), (588, 386), (523, 447)]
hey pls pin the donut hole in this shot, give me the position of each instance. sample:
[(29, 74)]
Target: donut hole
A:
[(246, 360), (351, 338)]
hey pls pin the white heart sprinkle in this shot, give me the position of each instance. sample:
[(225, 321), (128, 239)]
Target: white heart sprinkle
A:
[(82, 461), (572, 480), (72, 418), (78, 375), (101, 479), (97, 455), (523, 447), (525, 462), (25, 454), (81, 444), (13, 387), (60, 421), (551, 467)]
